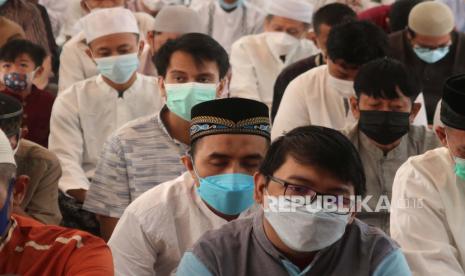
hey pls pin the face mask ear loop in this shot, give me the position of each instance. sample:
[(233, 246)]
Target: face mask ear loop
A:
[(194, 169)]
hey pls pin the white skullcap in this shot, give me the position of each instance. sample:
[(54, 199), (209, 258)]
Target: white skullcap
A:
[(298, 10), (178, 19), (108, 21), (6, 152), (431, 18), (156, 5)]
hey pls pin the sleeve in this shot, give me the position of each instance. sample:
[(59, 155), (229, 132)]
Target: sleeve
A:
[(44, 202), (92, 259), (70, 67), (292, 111), (134, 253), (67, 142), (190, 265), (278, 92), (418, 225), (244, 82), (393, 264), (109, 193)]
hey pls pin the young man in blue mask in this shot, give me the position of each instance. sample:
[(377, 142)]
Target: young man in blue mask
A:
[(192, 70), (85, 114), (431, 47), (384, 135), (28, 247), (431, 235), (296, 233), (229, 139)]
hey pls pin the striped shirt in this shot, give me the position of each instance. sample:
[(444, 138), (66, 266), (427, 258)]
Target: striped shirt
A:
[(139, 156), (31, 248)]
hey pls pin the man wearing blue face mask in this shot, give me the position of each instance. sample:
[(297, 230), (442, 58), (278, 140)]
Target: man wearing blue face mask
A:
[(431, 47), (295, 233), (229, 139), (85, 114), (431, 235), (192, 70)]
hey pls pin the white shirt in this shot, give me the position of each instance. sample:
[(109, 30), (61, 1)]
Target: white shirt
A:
[(310, 100), (227, 27), (255, 67), (76, 65), (84, 115), (159, 226), (432, 237)]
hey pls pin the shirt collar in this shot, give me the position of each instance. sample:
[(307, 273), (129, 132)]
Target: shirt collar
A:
[(398, 152), (162, 125), (105, 88)]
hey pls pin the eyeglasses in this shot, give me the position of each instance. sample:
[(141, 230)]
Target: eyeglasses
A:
[(294, 193)]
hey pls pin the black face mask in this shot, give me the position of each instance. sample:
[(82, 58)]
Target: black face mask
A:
[(384, 127)]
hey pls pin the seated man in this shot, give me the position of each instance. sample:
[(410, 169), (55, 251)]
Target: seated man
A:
[(229, 139), (428, 197), (28, 247), (165, 28), (323, 20), (75, 64), (431, 47), (257, 60), (20, 64), (35, 162), (384, 136), (299, 232), (85, 115), (147, 151), (321, 96)]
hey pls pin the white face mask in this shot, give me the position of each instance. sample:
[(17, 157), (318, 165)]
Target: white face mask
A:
[(345, 88), (281, 43), (306, 229)]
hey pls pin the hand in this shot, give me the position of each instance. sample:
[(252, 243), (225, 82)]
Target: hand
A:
[(78, 194)]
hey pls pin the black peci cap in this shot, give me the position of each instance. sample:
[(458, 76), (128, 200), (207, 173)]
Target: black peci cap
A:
[(453, 102)]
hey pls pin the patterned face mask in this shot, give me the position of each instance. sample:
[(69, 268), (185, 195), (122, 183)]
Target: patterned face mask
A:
[(16, 82)]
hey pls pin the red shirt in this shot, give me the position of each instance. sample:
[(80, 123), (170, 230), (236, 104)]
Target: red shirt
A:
[(32, 248), (37, 109), (377, 15)]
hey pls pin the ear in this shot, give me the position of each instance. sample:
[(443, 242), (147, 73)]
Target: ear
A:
[(150, 38), (187, 161), (84, 6), (89, 54), (39, 71), (415, 109), (441, 133), (260, 185), (221, 86), (161, 87), (20, 190), (354, 107), (311, 35), (24, 132), (141, 48)]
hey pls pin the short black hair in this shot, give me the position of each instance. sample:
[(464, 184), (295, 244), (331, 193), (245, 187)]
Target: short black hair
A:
[(398, 15), (16, 47), (380, 78), (200, 46), (332, 15), (318, 146), (357, 42)]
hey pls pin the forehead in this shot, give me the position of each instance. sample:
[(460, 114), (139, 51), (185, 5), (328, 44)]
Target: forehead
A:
[(114, 41), (431, 40), (285, 22), (320, 179), (323, 30), (185, 62), (234, 145)]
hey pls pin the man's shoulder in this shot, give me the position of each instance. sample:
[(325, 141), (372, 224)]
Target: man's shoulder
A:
[(79, 88), (309, 79), (423, 137), (296, 69), (74, 41), (141, 131), (32, 151)]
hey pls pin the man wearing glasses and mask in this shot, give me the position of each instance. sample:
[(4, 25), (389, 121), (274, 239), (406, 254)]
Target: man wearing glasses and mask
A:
[(301, 238)]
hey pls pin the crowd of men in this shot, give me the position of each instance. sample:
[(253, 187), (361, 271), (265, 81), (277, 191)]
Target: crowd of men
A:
[(232, 137)]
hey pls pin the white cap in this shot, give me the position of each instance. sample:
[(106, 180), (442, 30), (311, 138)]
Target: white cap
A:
[(108, 21), (298, 10), (178, 19), (431, 18), (6, 152)]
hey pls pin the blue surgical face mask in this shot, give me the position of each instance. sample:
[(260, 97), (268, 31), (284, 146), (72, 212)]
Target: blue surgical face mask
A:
[(118, 69), (429, 55), (181, 97), (4, 218), (229, 194), (227, 6)]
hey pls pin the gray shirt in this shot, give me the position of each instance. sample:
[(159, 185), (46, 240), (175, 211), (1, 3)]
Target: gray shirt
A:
[(381, 168), (136, 158)]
